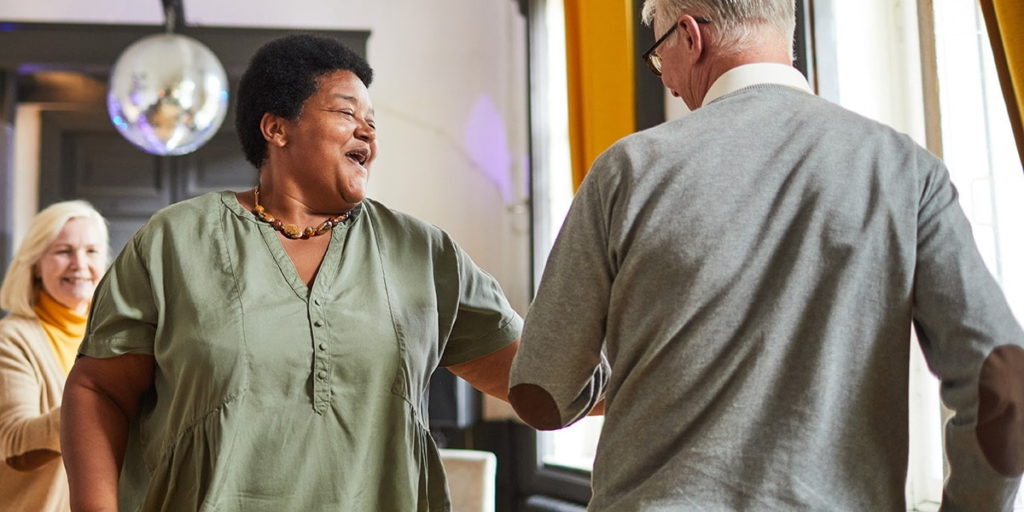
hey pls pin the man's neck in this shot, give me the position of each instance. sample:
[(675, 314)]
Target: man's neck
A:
[(717, 65)]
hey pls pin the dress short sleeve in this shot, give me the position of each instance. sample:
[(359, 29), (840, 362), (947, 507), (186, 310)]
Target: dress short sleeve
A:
[(484, 321), (123, 316)]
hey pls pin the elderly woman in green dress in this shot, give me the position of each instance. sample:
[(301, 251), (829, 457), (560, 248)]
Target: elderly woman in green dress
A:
[(270, 349)]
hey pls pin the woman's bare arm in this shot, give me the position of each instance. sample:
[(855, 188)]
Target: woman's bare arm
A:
[(100, 397), (489, 373)]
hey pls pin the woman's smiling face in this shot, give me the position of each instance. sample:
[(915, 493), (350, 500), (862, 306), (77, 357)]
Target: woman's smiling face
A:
[(73, 264), (333, 141)]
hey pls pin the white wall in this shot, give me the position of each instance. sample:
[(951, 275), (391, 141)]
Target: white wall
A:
[(450, 97), (451, 113), (134, 12)]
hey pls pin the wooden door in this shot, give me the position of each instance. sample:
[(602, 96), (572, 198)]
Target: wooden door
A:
[(83, 157)]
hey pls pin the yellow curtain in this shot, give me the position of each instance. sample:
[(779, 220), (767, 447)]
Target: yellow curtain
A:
[(600, 57), (1005, 22)]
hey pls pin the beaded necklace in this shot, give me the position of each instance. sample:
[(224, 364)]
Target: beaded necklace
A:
[(291, 230)]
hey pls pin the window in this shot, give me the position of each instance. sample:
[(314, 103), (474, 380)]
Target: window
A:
[(573, 447), (978, 144), (880, 76), (979, 150)]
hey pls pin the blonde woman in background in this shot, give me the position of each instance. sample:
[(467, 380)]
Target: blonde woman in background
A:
[(46, 291)]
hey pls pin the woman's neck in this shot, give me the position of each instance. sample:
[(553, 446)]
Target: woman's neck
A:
[(294, 202)]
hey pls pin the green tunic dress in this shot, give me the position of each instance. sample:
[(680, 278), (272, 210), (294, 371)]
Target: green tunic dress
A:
[(269, 395)]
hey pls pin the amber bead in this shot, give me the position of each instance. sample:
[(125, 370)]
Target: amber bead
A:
[(293, 231)]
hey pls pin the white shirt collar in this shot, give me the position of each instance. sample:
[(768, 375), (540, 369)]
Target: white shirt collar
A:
[(752, 74)]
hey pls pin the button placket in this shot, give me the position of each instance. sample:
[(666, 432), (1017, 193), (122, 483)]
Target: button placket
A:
[(321, 358)]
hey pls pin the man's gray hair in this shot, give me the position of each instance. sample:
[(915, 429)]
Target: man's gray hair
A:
[(738, 24)]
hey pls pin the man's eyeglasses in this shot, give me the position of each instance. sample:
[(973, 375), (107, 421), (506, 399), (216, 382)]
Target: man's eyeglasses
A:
[(652, 59)]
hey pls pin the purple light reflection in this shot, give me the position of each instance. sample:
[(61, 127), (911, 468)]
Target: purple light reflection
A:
[(486, 143)]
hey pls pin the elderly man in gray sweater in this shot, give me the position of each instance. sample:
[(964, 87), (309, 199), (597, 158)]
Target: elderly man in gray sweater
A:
[(739, 287)]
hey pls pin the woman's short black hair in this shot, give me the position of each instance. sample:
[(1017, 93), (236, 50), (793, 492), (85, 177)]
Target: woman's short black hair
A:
[(281, 76)]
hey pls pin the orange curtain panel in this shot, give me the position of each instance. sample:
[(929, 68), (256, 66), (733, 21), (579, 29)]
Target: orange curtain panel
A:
[(600, 58), (1005, 22)]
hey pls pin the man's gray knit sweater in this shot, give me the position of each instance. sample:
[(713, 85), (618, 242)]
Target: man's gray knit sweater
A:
[(752, 272)]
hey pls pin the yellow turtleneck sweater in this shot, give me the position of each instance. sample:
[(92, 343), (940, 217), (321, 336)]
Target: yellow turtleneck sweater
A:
[(64, 327)]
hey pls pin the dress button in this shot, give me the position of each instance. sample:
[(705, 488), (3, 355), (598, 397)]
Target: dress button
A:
[(316, 301), (322, 375), (323, 346), (318, 323)]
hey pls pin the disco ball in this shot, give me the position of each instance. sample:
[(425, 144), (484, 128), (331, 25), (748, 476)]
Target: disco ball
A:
[(168, 94)]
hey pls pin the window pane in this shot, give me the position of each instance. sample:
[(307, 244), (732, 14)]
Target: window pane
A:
[(572, 447), (978, 144), (978, 147)]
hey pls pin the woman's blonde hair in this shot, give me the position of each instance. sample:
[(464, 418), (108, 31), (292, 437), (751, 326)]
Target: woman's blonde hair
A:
[(18, 292)]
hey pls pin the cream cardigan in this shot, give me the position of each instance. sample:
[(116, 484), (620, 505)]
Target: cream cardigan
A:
[(31, 384)]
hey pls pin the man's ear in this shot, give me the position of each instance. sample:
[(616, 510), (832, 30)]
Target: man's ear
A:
[(274, 129), (689, 31)]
